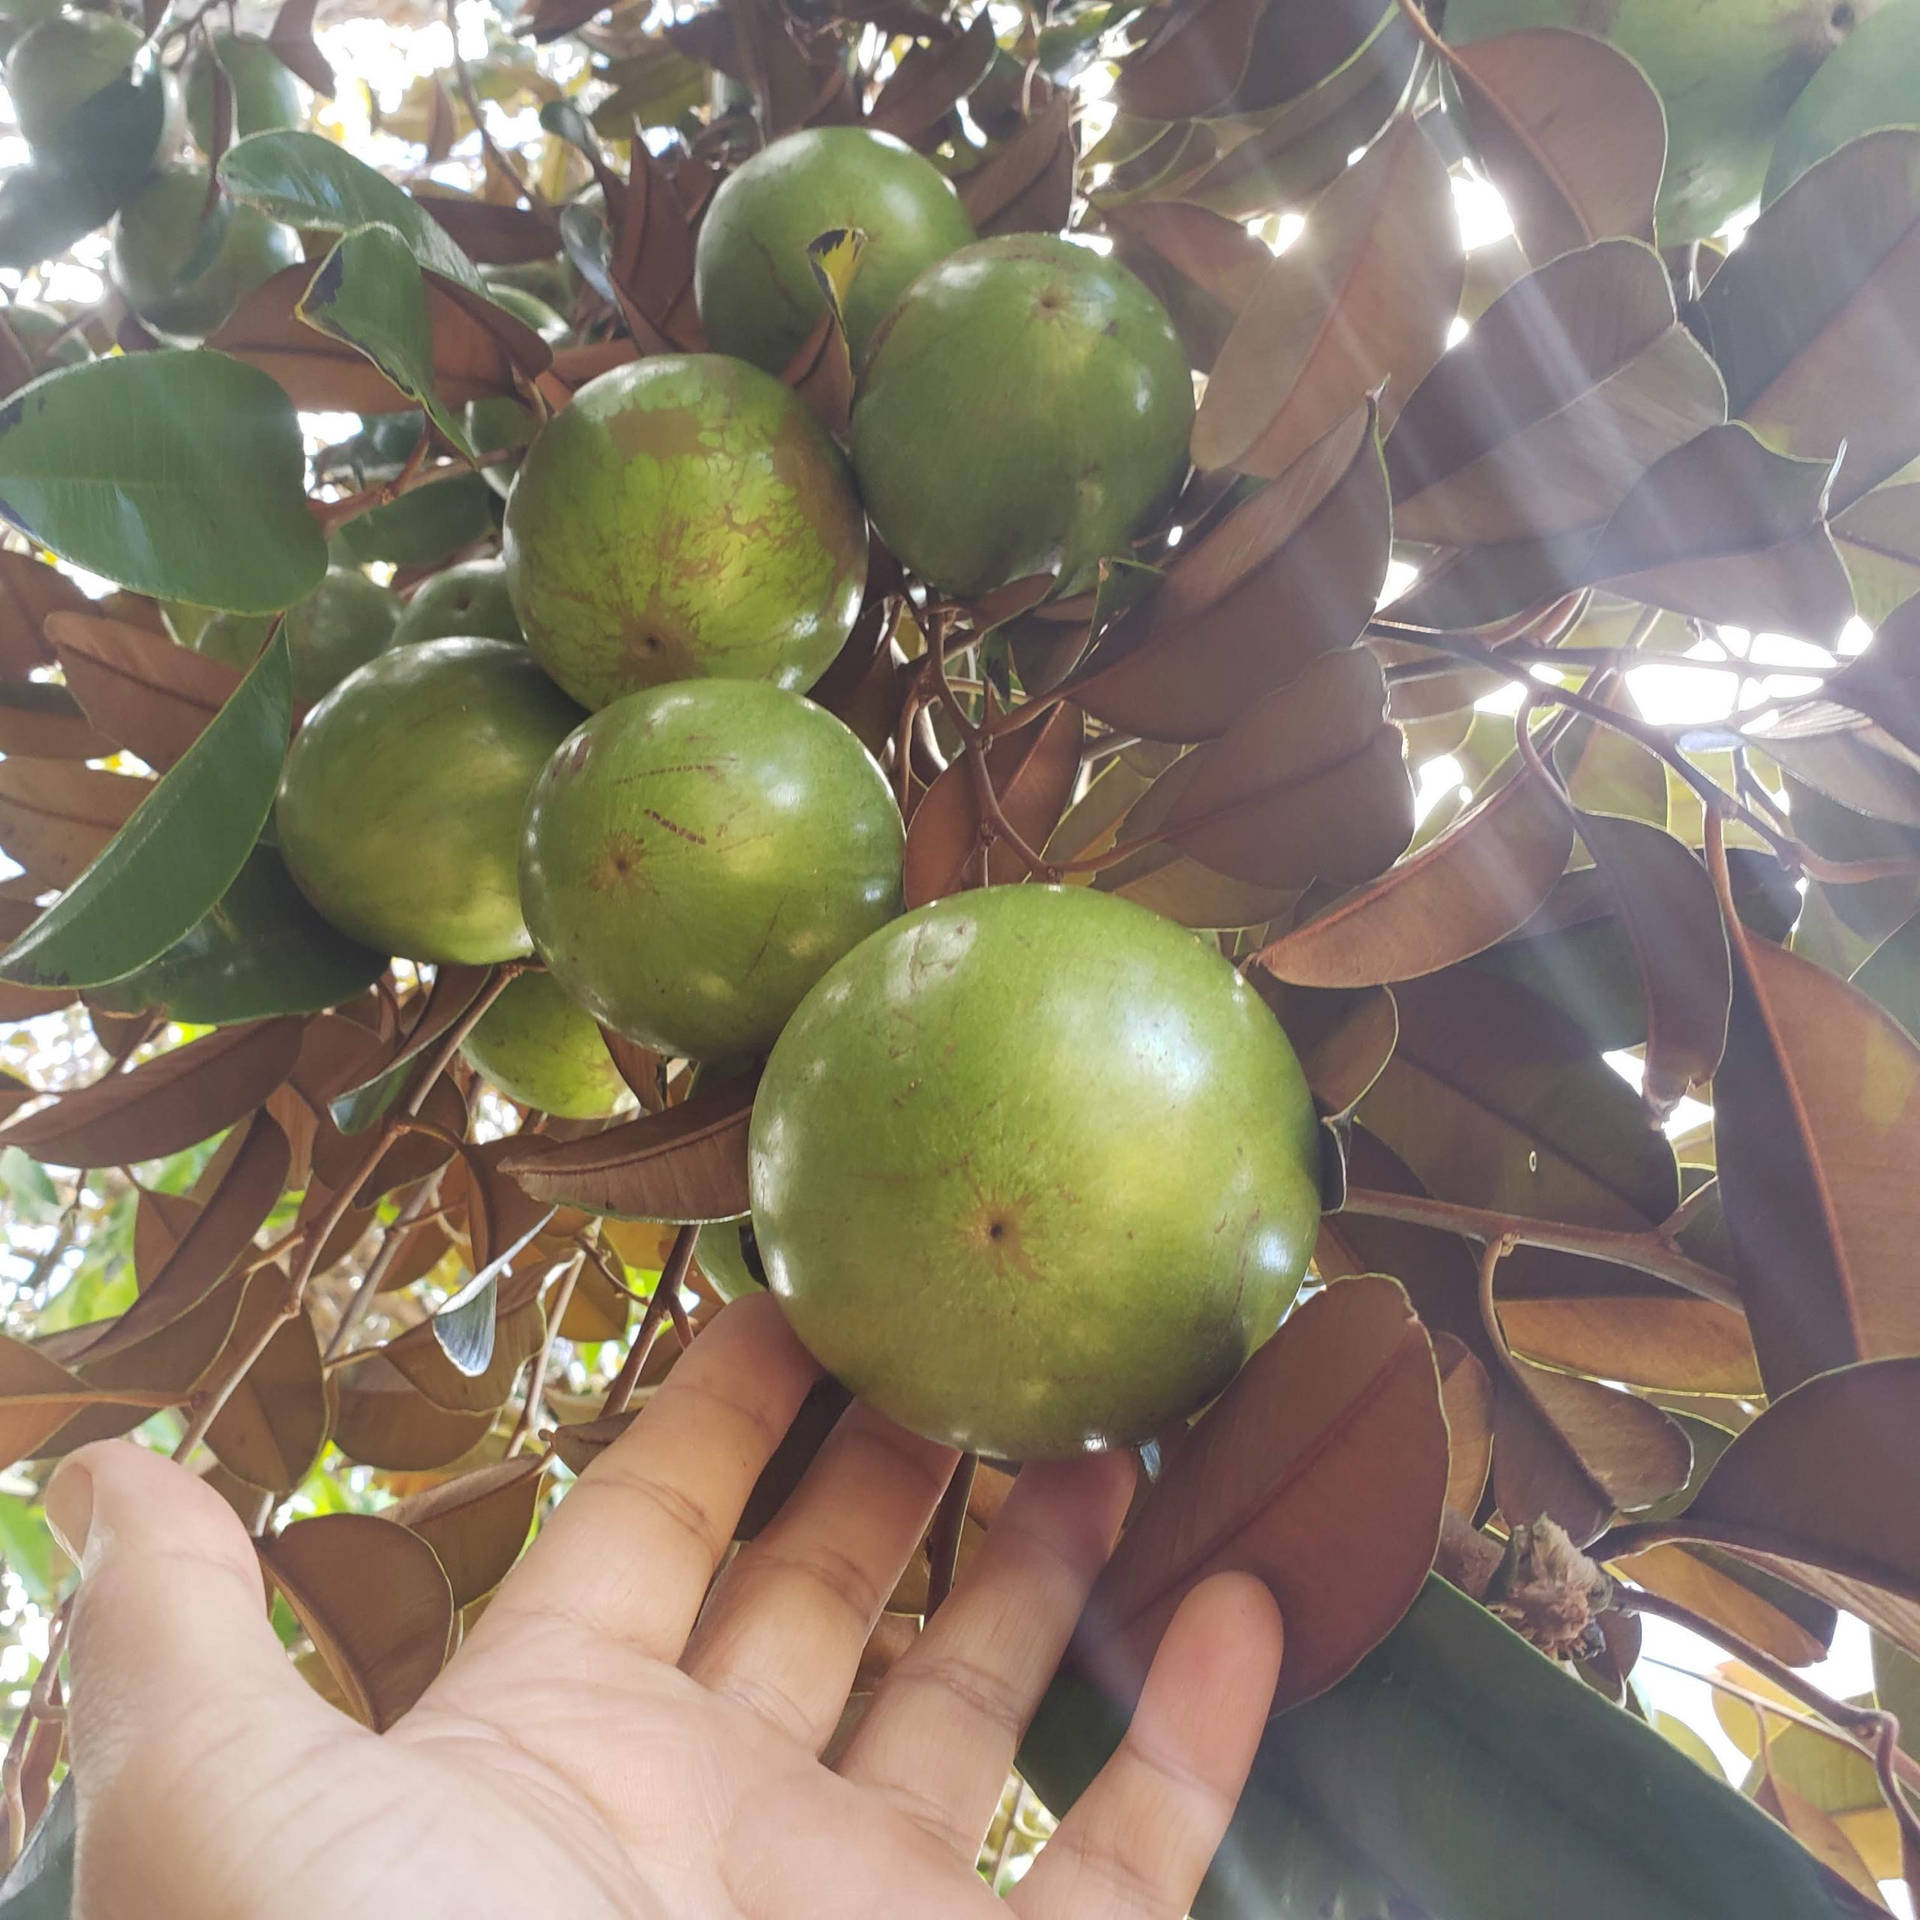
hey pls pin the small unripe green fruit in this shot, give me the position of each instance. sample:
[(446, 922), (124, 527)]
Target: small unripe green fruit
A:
[(1726, 70), (63, 61), (696, 856), (469, 598), (339, 626), (183, 273), (1871, 81), (727, 1254), (544, 1050), (1034, 1171), (686, 516), (1025, 409), (266, 96), (400, 807), (754, 284)]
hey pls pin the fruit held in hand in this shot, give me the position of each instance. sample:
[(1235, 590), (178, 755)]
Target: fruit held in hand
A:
[(469, 599), (1034, 1171), (545, 1051), (265, 95), (400, 808), (685, 516), (755, 286), (184, 269), (61, 62), (1726, 70), (697, 856), (340, 625), (1025, 410)]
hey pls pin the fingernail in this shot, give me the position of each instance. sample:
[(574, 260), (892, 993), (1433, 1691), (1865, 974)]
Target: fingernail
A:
[(69, 1509)]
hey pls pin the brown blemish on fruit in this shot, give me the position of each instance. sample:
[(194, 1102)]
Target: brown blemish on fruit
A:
[(674, 827), (995, 1232), (620, 863)]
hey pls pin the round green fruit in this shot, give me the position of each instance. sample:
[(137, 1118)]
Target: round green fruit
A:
[(469, 598), (697, 856), (1025, 410), (544, 1050), (400, 808), (528, 308), (727, 1254), (1726, 70), (61, 62), (752, 279), (265, 94), (497, 423), (261, 952), (339, 626), (1034, 1171), (686, 516), (1873, 81), (184, 270)]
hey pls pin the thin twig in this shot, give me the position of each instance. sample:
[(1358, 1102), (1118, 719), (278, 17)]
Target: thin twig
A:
[(381, 1264), (944, 1536), (537, 1372), (665, 1292)]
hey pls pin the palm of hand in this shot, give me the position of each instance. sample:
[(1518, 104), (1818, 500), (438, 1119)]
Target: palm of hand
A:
[(608, 1747)]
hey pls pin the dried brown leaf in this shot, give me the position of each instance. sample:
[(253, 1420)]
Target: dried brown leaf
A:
[(138, 687), (40, 720), (274, 1423), (382, 1419), (1025, 185), (29, 591), (1466, 1397), (1193, 62), (477, 1524), (1344, 1036), (55, 816)]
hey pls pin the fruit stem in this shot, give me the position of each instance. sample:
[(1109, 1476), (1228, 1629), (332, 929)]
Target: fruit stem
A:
[(666, 1293), (944, 1535)]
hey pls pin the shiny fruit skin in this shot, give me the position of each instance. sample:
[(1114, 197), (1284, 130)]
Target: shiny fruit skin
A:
[(266, 96), (754, 284), (1034, 1171), (727, 1254), (158, 234), (1727, 71), (339, 626), (1025, 410), (696, 856), (1871, 81), (544, 1050), (686, 516), (400, 808), (60, 62), (469, 598)]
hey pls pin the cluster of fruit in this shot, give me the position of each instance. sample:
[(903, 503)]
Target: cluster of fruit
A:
[(1031, 1167)]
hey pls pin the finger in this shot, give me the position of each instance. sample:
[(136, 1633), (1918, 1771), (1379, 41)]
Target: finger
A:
[(170, 1623), (940, 1734), (784, 1630), (629, 1553), (1138, 1841)]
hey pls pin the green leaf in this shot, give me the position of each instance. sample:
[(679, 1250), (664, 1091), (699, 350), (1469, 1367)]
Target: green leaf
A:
[(423, 526), (1482, 1782), (306, 180), (370, 293), (175, 473), (180, 851)]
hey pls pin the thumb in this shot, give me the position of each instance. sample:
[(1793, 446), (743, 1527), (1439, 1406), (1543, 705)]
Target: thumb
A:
[(171, 1617)]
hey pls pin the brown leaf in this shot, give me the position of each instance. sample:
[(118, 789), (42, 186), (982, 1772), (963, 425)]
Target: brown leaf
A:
[(1322, 1470), (1675, 1343), (37, 1397), (374, 1602), (1025, 185), (1817, 1124), (1569, 130), (517, 1336), (1726, 529), (55, 816), (821, 373), (383, 1420), (1193, 62), (488, 233), (1808, 314), (274, 1423), (165, 1104), (477, 1524), (688, 1163), (931, 79), (291, 38), (1884, 682), (1032, 772), (1362, 300), (40, 720), (208, 1244), (652, 251), (1289, 576), (418, 1149), (1879, 540), (583, 1442), (1344, 1037), (317, 371), (160, 1222), (479, 348), (1666, 902), (138, 687), (29, 591), (1466, 1397), (1203, 266), (1311, 784), (1541, 420), (1496, 1099), (1460, 894), (1676, 1574)]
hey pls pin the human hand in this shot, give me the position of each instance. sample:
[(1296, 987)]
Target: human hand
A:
[(607, 1747)]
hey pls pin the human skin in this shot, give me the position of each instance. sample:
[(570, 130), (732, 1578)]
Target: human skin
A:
[(611, 1743)]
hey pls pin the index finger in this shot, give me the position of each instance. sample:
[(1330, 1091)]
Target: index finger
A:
[(631, 1550)]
